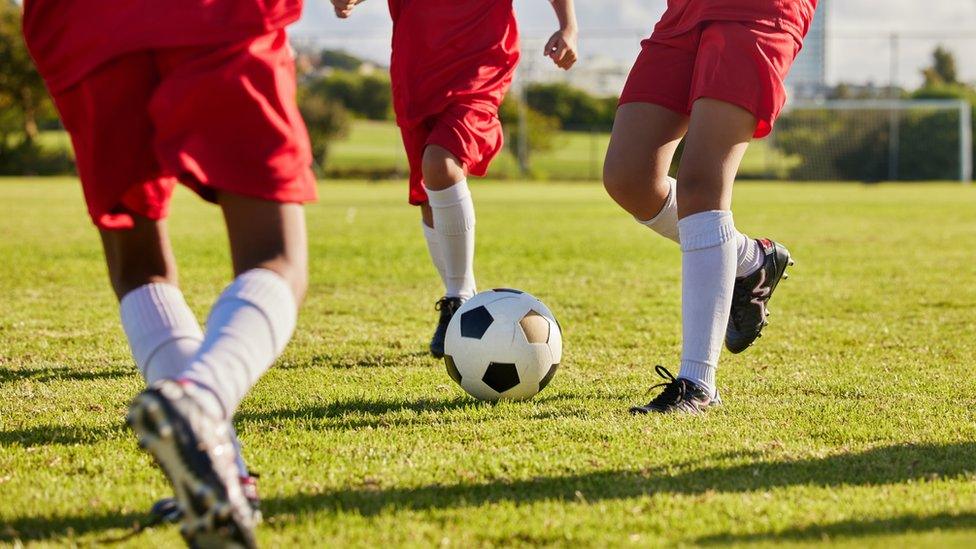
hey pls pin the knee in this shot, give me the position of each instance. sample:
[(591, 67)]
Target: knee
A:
[(617, 179), (441, 168)]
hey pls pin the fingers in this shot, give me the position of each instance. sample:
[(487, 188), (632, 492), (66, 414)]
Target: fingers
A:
[(561, 52), (343, 8)]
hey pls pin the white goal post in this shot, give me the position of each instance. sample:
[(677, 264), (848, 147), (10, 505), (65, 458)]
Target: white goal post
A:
[(898, 129)]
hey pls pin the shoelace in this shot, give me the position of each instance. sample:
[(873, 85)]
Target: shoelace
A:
[(674, 390)]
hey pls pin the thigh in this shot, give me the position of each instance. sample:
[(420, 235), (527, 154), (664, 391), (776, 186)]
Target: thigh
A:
[(643, 141), (226, 119), (718, 135), (107, 116)]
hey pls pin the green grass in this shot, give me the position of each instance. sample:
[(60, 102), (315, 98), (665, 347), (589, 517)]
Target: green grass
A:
[(853, 421), (574, 155)]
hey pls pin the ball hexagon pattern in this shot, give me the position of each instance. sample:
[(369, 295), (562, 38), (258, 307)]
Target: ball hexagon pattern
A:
[(503, 344)]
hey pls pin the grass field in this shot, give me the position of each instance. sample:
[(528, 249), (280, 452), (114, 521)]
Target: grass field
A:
[(377, 147), (854, 421), (574, 155)]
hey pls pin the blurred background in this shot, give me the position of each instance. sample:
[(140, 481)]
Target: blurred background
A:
[(877, 94)]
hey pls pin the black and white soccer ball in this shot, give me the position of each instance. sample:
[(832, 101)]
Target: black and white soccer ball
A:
[(503, 345)]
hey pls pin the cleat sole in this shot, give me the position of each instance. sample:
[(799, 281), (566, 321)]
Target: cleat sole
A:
[(207, 515)]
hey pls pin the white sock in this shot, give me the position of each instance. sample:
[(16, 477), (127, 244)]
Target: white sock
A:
[(162, 331), (708, 259), (164, 336), (436, 253), (454, 222), (249, 326), (665, 223), (750, 256)]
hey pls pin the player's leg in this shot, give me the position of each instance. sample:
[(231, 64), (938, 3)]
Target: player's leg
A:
[(451, 242), (246, 147), (635, 173), (452, 212), (161, 329), (247, 328), (434, 248), (718, 136)]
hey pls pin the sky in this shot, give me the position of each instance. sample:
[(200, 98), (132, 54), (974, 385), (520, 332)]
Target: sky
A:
[(858, 51)]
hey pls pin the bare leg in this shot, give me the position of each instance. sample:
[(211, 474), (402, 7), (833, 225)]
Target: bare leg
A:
[(718, 136), (268, 235), (139, 256), (442, 169), (642, 145)]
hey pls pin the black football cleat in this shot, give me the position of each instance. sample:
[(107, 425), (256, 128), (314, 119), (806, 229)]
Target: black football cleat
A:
[(679, 396), (168, 510), (447, 306), (197, 454), (751, 295)]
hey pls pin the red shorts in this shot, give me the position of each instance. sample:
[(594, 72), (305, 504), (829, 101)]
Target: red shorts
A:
[(472, 133), (217, 118), (741, 63)]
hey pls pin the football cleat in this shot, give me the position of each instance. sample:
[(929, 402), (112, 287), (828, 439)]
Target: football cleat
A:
[(751, 295), (168, 510), (679, 396), (197, 454), (447, 307)]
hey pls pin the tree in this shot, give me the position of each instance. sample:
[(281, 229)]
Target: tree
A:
[(366, 95), (21, 87), (943, 69), (541, 132), (326, 120), (574, 108), (340, 59)]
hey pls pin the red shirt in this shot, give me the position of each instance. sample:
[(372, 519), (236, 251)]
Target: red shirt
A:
[(793, 16), (449, 51), (69, 38)]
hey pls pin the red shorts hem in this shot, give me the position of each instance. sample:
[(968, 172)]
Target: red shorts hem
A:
[(661, 101), (219, 117), (472, 133), (741, 63)]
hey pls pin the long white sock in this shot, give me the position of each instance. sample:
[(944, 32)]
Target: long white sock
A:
[(708, 259), (162, 331), (665, 223), (454, 221), (249, 326), (436, 253), (164, 336)]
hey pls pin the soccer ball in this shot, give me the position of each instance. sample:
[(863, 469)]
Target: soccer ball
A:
[(503, 345)]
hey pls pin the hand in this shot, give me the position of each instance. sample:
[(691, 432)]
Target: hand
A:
[(561, 48), (343, 8)]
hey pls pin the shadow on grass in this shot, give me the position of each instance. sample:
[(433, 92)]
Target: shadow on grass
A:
[(904, 524), (59, 527), (884, 465), (49, 374), (44, 435), (358, 413)]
